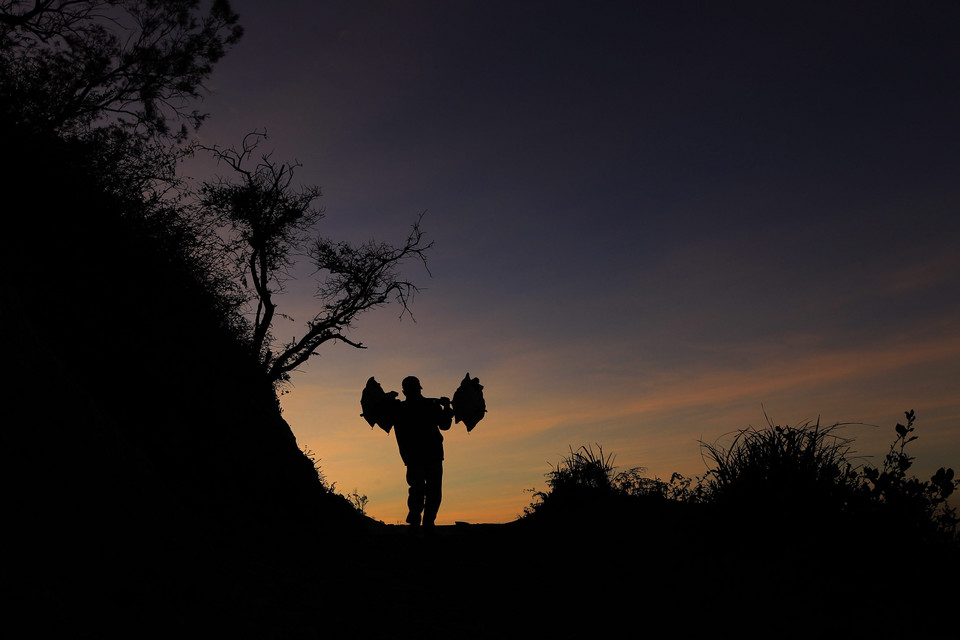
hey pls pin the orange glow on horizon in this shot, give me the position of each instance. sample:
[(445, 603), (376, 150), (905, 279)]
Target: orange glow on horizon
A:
[(489, 472)]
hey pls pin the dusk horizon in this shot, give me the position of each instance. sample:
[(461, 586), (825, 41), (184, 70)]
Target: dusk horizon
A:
[(654, 224)]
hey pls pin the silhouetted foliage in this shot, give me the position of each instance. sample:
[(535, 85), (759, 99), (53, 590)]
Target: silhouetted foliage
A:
[(111, 84), (678, 489), (584, 469), (801, 477), (795, 468), (581, 480), (354, 500), (67, 65), (268, 225), (919, 506)]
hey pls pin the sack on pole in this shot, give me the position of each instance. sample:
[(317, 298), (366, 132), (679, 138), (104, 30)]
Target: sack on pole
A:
[(376, 405), (469, 406)]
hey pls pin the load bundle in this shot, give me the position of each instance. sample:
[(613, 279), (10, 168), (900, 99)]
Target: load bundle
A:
[(377, 405), (468, 403)]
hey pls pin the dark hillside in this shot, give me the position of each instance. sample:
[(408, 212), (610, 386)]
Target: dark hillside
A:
[(141, 438)]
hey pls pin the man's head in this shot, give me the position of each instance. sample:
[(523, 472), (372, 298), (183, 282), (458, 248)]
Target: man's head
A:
[(411, 386)]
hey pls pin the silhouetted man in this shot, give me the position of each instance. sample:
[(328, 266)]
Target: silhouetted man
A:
[(418, 423)]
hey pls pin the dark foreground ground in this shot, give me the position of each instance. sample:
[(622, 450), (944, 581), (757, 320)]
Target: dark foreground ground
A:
[(674, 575)]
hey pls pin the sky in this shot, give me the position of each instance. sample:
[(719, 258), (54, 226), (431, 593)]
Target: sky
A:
[(654, 223)]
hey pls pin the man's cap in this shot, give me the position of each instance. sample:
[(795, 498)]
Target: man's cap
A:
[(411, 382)]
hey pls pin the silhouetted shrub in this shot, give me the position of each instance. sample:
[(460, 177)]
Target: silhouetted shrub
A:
[(350, 505), (582, 481), (806, 473), (800, 468), (915, 506), (583, 469), (679, 488), (802, 477)]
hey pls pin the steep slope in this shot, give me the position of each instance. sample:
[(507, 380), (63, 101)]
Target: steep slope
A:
[(141, 445)]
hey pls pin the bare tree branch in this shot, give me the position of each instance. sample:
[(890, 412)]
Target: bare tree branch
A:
[(272, 222)]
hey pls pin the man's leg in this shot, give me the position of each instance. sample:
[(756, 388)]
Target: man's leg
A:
[(433, 492), (416, 479)]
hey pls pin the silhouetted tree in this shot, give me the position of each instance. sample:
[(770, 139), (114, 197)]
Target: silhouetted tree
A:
[(66, 65), (270, 223)]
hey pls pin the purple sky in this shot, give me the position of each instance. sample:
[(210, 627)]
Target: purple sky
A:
[(652, 221)]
